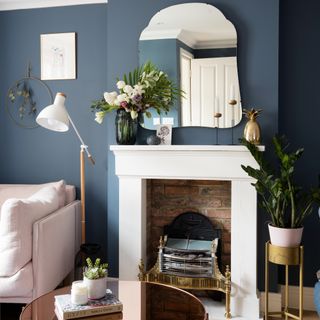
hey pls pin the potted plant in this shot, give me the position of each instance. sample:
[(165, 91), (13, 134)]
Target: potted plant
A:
[(287, 204), (145, 88), (95, 278)]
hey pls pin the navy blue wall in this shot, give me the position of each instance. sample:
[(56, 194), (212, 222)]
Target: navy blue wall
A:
[(299, 106), (258, 71), (39, 155), (163, 53), (215, 53)]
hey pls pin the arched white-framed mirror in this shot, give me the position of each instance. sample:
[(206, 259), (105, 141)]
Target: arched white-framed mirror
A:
[(196, 46)]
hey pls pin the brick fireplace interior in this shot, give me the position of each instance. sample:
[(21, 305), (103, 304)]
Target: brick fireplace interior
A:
[(166, 199)]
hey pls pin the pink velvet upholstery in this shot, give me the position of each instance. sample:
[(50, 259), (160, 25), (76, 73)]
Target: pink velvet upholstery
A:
[(44, 227)]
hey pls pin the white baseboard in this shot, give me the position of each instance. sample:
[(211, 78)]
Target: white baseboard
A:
[(276, 300)]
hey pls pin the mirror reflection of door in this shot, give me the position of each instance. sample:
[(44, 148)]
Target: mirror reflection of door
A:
[(196, 46), (209, 84), (185, 84)]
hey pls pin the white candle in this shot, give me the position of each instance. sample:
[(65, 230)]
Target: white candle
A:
[(232, 92), (79, 293)]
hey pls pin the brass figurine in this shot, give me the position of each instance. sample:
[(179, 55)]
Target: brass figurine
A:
[(252, 131)]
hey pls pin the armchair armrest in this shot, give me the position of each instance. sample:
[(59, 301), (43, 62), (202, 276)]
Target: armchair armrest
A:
[(56, 240)]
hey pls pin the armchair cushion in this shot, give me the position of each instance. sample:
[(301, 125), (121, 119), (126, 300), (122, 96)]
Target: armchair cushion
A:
[(19, 285), (17, 218), (26, 190)]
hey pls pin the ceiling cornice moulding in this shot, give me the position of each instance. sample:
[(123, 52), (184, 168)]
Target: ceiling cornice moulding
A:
[(6, 5)]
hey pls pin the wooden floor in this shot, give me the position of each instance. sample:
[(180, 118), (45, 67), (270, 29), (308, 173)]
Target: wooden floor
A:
[(307, 315)]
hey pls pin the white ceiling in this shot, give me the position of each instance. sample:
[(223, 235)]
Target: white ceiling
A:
[(30, 4), (199, 25)]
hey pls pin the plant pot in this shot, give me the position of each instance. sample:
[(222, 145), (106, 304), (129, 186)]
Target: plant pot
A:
[(285, 237), (96, 287), (126, 128)]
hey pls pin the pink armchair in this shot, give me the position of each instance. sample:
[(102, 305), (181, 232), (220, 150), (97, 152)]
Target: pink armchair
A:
[(40, 234)]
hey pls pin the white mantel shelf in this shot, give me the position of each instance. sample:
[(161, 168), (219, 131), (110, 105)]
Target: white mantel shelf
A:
[(156, 148), (175, 161), (135, 164)]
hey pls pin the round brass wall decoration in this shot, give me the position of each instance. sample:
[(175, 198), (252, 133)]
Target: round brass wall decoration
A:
[(24, 98)]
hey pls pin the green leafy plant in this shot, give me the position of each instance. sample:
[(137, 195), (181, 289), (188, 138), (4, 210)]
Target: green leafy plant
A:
[(287, 204), (95, 271), (144, 88), (24, 95)]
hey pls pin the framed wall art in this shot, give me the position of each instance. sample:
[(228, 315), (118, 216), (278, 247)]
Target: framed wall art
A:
[(164, 132), (58, 56)]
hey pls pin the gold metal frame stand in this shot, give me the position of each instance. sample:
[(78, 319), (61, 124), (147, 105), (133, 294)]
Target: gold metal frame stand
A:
[(287, 257)]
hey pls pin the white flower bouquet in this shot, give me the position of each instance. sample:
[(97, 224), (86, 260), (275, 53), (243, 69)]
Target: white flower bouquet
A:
[(146, 87)]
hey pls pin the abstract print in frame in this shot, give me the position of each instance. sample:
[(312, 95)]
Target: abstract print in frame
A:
[(58, 56)]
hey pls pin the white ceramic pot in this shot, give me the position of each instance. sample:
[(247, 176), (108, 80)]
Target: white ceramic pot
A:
[(285, 237), (96, 288)]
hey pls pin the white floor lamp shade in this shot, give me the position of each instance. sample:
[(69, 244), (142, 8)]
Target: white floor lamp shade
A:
[(55, 117)]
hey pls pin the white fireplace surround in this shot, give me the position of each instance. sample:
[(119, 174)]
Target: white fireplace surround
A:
[(135, 164)]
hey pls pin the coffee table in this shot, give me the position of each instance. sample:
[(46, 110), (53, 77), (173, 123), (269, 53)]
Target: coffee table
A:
[(141, 301)]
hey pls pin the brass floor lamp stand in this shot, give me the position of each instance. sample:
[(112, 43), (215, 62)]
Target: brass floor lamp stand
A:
[(287, 257)]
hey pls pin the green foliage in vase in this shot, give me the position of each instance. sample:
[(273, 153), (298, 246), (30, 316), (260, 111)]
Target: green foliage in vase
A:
[(287, 203), (23, 94), (144, 88), (95, 270)]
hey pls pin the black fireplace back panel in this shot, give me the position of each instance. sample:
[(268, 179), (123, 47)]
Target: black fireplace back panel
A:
[(193, 225)]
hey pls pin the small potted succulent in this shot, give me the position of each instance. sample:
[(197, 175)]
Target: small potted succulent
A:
[(95, 278)]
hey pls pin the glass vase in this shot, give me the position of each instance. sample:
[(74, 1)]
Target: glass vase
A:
[(126, 127)]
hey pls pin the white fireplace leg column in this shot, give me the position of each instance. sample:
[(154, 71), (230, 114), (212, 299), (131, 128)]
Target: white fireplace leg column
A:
[(132, 226), (244, 300)]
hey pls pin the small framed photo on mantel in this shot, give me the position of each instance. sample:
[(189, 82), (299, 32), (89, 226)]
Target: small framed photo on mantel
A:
[(58, 56), (164, 132)]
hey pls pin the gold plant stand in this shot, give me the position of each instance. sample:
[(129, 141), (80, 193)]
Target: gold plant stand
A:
[(287, 257)]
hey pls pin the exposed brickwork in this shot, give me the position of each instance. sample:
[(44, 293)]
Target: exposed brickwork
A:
[(166, 199)]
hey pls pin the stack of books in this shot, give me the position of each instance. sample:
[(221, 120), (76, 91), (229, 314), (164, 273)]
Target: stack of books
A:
[(107, 308)]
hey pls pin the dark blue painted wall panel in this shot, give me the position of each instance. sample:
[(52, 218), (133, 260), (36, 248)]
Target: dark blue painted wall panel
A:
[(163, 53), (215, 53), (300, 108), (39, 155)]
